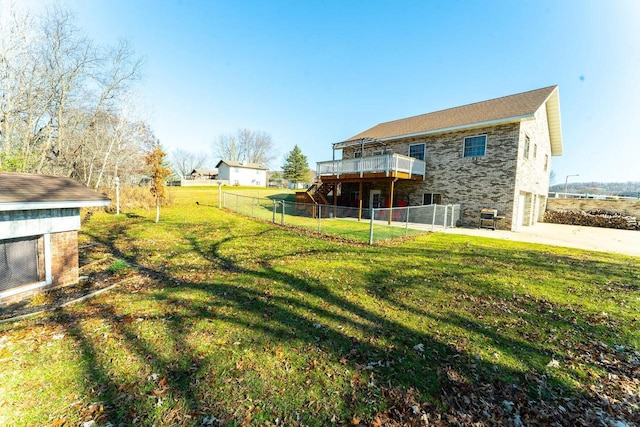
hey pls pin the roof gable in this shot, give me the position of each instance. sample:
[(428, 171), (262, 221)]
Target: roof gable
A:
[(235, 164), (204, 172), (506, 109), (23, 188)]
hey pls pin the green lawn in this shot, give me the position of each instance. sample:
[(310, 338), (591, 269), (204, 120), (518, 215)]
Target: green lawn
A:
[(334, 222), (219, 315)]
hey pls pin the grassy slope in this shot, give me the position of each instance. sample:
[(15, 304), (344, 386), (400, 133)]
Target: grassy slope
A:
[(247, 322)]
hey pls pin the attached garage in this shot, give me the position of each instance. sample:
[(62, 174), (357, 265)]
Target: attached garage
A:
[(39, 222)]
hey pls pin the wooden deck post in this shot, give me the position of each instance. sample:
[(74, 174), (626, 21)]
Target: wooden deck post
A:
[(391, 200), (360, 202), (335, 200)]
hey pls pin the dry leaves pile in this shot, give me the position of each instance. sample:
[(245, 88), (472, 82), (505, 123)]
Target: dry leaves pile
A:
[(614, 402)]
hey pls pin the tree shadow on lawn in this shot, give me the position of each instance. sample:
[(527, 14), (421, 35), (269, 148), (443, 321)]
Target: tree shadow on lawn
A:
[(282, 307)]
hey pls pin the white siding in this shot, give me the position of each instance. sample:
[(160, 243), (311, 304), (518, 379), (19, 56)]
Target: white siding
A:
[(238, 175), (16, 224)]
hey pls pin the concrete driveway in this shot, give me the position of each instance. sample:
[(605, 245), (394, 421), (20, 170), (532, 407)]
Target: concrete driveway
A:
[(625, 242)]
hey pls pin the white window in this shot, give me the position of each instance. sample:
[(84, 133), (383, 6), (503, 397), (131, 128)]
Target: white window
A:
[(527, 142), (535, 151), (357, 154), (432, 199), (416, 151), (546, 162), (378, 153), (475, 146)]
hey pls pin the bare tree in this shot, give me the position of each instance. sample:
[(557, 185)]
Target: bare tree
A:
[(21, 100), (184, 162), (63, 99), (246, 146), (68, 58)]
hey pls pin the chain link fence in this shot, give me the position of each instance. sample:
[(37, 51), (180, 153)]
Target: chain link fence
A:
[(368, 225)]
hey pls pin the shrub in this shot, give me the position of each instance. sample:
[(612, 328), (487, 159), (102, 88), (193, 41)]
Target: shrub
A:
[(118, 266)]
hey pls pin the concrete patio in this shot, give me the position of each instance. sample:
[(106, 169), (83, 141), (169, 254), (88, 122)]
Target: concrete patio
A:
[(625, 242)]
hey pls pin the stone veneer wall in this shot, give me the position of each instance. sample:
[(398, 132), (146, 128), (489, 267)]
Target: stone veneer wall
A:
[(475, 183), (64, 258), (532, 177)]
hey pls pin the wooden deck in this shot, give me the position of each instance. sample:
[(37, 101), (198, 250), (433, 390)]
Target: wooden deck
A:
[(383, 167)]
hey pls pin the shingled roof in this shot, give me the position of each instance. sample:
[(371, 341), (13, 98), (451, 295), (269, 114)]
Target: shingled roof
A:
[(233, 164), (507, 109), (22, 190)]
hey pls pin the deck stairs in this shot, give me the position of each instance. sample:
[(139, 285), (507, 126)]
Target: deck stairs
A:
[(317, 193)]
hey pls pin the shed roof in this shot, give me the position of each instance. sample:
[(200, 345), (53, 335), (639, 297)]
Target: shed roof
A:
[(245, 165), (24, 191), (512, 108), (204, 172)]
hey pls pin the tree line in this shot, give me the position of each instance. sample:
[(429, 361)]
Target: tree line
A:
[(66, 109), (64, 100)]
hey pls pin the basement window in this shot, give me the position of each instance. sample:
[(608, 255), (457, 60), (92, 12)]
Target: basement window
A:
[(432, 199)]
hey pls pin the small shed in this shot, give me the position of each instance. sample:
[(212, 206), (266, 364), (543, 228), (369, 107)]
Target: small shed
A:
[(203, 174), (39, 223)]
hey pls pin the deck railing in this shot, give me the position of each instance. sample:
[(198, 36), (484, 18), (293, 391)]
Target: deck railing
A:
[(389, 164)]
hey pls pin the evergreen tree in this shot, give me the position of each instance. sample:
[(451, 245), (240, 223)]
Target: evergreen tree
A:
[(296, 167)]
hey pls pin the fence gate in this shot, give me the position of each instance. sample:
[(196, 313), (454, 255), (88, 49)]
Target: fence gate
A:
[(18, 262)]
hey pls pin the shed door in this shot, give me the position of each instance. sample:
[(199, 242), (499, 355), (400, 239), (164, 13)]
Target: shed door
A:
[(18, 262)]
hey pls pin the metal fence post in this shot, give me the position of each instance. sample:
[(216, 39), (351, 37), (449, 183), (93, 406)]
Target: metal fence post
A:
[(275, 208), (453, 210), (444, 218), (282, 214), (406, 224), (433, 222), (319, 218), (371, 227)]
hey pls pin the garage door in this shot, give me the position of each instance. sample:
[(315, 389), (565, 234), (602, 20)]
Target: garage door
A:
[(18, 262)]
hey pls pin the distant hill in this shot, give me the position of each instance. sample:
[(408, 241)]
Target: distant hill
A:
[(629, 189)]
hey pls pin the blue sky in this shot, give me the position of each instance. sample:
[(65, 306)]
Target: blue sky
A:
[(316, 72)]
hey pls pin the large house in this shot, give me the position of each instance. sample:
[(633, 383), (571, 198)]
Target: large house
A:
[(493, 154), (39, 223), (242, 173)]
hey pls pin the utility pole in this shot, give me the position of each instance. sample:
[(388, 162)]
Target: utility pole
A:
[(566, 182)]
